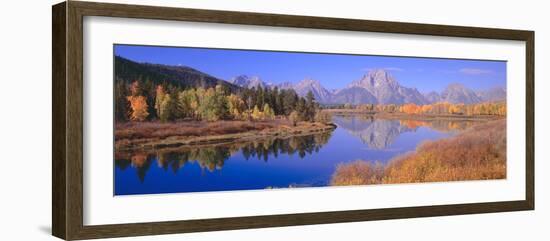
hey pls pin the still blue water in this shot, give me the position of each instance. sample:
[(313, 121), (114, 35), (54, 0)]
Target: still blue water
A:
[(296, 162)]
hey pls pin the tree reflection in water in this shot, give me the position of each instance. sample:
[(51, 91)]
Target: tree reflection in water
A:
[(212, 157), (377, 134)]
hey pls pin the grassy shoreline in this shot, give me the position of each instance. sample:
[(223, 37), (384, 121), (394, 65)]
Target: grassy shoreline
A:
[(150, 135), (478, 153)]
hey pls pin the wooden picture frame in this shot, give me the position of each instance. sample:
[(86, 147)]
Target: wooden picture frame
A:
[(67, 124)]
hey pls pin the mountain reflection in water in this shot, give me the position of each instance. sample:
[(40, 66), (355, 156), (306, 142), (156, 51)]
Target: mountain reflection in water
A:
[(381, 133), (293, 162)]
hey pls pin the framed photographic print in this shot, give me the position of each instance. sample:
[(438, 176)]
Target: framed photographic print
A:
[(171, 120)]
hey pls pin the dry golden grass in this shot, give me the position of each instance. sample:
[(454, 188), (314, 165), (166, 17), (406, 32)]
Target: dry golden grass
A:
[(137, 130), (357, 173), (147, 135), (478, 153)]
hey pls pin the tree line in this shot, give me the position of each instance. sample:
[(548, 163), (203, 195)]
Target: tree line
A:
[(145, 101), (439, 108)]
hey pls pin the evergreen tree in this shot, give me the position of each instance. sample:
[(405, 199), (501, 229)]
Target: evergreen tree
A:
[(135, 88), (260, 97), (278, 107), (290, 99), (122, 106), (221, 106), (301, 109), (310, 107), (149, 91), (252, 98), (174, 112)]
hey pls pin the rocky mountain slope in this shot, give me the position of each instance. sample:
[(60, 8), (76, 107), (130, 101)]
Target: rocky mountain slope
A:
[(458, 93), (385, 88)]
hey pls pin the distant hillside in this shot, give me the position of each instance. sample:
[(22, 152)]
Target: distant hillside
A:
[(180, 76)]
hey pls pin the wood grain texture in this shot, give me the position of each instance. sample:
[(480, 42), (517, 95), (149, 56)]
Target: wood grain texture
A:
[(530, 120), (67, 78), (121, 230), (74, 135), (58, 121), (279, 20)]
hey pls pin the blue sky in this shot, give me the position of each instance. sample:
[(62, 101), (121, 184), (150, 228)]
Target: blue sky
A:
[(334, 71)]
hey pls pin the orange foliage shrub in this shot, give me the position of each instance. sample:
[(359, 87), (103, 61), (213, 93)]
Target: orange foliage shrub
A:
[(138, 105), (478, 153), (444, 108), (411, 108)]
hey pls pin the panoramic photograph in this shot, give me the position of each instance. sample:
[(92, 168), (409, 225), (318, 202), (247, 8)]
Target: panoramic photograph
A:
[(190, 119)]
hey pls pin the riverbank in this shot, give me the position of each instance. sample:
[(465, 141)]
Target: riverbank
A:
[(151, 135), (478, 153), (404, 116)]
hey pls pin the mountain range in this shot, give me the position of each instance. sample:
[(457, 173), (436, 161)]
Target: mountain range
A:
[(376, 87)]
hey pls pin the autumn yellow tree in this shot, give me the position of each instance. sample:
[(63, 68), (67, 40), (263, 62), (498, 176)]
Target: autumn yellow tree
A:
[(502, 109), (426, 109), (256, 113), (164, 108), (212, 104), (138, 106), (188, 103), (236, 106), (268, 113), (455, 109), (441, 108), (410, 108), (160, 95)]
